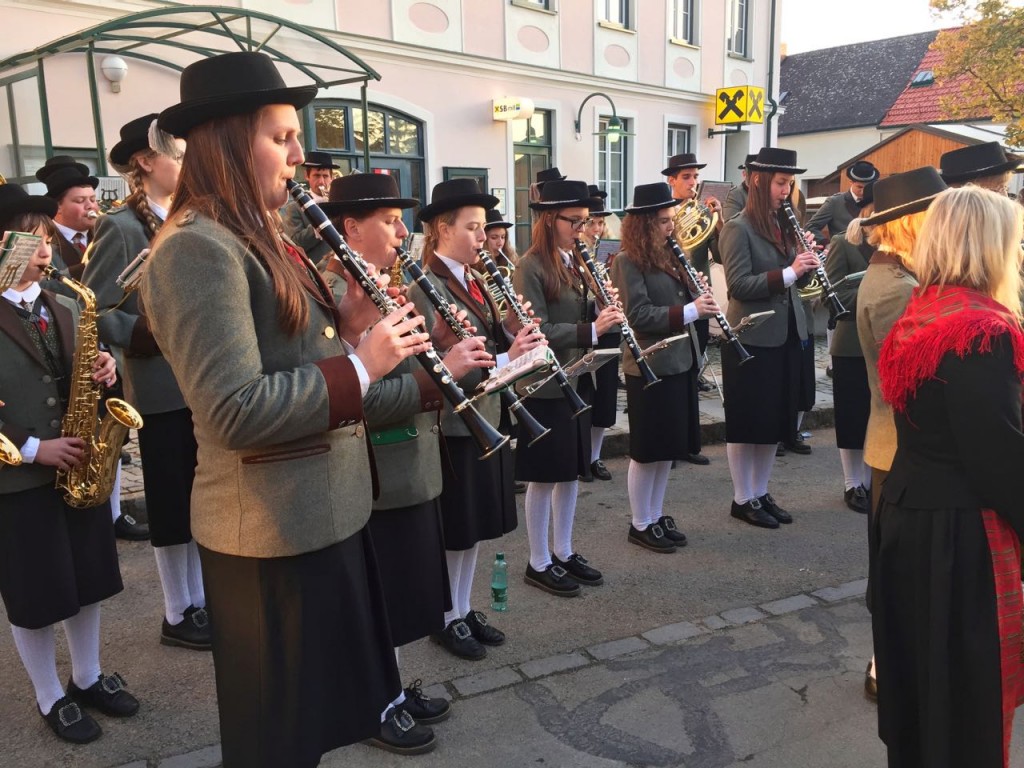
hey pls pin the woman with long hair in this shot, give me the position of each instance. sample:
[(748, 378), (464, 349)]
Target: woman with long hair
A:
[(946, 582), (301, 644), (664, 421)]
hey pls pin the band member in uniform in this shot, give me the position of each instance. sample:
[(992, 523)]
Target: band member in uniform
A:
[(548, 278), (736, 200), (478, 501), (840, 209), (166, 441), (763, 261), (302, 649), (497, 242), (59, 562), (985, 165), (319, 168), (946, 583), (664, 421), (77, 212)]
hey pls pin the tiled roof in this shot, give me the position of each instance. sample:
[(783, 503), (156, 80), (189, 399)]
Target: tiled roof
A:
[(847, 86)]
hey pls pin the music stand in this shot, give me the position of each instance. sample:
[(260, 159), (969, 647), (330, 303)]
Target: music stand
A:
[(663, 344), (590, 362), (752, 321)]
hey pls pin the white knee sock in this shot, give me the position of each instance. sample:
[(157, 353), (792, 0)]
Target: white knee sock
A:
[(764, 460), (196, 590), (563, 505), (469, 558), (853, 467), (172, 565), (538, 515), (639, 483), (83, 631), (115, 494), (799, 419), (454, 560), (596, 440), (655, 511), (741, 469), (38, 651)]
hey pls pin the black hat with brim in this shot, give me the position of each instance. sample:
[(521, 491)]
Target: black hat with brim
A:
[(562, 194), (677, 163), (365, 192), (549, 174), (648, 198), (320, 160), (134, 137), (230, 84), (14, 200), (57, 162), (775, 160), (747, 162), (862, 171), (902, 194), (495, 219), (63, 179), (452, 194), (976, 161), (597, 208)]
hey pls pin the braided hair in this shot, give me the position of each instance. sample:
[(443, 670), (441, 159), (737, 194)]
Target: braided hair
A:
[(137, 200)]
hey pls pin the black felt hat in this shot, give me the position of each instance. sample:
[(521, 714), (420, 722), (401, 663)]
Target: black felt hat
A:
[(775, 160), (14, 200), (549, 174), (456, 193), (902, 194), (229, 84), (966, 163), (648, 198), (365, 192), (597, 201), (495, 219), (862, 171), (134, 136), (562, 194), (319, 160), (57, 162), (63, 179), (747, 162), (677, 163)]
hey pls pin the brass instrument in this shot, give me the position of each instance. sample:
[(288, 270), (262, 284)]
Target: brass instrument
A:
[(836, 309), (92, 481), (9, 453), (494, 289), (693, 223)]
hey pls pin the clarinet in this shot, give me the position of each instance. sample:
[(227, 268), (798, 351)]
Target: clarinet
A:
[(487, 437), (836, 308), (576, 402), (727, 331), (606, 299), (534, 429)]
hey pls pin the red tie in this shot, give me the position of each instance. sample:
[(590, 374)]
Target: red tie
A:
[(474, 289), (79, 242)]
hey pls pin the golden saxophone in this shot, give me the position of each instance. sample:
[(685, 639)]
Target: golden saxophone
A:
[(9, 453), (92, 481)]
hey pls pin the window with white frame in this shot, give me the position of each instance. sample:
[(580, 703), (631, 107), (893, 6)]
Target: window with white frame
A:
[(612, 163), (617, 12), (739, 27), (684, 17), (678, 139), (543, 4)]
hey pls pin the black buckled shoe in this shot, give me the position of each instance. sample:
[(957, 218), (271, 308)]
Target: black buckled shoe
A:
[(108, 695), (554, 579), (857, 499), (425, 710), (775, 510), (798, 446), (780, 450), (652, 537), (128, 528), (483, 631), (458, 640), (752, 512), (673, 534), (600, 471), (401, 734), (580, 569), (870, 684), (192, 632), (70, 723), (698, 458)]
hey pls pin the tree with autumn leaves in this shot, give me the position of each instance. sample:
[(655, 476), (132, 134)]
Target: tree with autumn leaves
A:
[(986, 56)]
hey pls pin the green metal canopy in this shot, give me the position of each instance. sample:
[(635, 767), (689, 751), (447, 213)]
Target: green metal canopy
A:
[(174, 37)]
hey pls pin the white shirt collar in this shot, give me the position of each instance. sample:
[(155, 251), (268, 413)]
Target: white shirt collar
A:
[(69, 234), (28, 296), (158, 210), (457, 268)]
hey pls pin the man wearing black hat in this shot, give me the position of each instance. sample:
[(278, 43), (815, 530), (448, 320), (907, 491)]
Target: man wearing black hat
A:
[(985, 165), (319, 167), (74, 190), (839, 210), (736, 200)]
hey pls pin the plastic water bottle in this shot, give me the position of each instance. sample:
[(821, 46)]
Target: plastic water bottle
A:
[(499, 583)]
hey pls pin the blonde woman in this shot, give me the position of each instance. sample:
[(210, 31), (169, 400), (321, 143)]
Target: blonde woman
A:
[(946, 582)]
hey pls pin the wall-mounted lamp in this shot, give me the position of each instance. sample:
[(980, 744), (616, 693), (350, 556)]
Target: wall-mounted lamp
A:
[(115, 69), (615, 129)]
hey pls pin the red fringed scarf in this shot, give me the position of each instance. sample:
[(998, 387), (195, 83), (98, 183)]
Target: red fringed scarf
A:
[(937, 321)]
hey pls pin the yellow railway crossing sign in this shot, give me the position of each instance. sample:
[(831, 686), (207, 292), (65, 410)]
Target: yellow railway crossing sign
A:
[(739, 104)]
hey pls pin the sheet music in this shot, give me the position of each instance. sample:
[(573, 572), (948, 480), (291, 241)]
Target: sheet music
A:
[(15, 253)]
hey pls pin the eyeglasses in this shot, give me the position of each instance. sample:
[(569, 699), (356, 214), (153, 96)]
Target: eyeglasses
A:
[(576, 224)]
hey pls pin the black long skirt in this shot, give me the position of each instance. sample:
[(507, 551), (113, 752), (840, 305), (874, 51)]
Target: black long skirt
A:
[(936, 638), (413, 570), (564, 453), (606, 389), (478, 500), (302, 652), (54, 559), (852, 399), (664, 420), (806, 396), (167, 445)]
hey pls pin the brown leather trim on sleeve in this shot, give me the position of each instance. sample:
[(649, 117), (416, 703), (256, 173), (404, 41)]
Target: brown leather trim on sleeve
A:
[(775, 282), (675, 319), (142, 343), (584, 335), (343, 390), (430, 395)]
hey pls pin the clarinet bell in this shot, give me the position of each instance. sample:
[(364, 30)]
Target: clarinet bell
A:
[(838, 310), (741, 351), (488, 439), (647, 373), (533, 430)]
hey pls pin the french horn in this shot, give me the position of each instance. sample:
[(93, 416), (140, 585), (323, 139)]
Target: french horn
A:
[(694, 223)]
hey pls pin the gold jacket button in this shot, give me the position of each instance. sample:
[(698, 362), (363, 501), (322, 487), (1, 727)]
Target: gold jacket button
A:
[(359, 431), (435, 429), (51, 401), (329, 331)]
